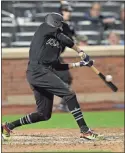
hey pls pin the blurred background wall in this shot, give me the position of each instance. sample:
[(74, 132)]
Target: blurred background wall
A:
[(98, 28)]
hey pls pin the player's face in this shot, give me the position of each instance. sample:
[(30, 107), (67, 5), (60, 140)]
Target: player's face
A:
[(66, 15)]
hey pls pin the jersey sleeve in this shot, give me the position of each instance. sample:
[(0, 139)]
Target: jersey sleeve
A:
[(65, 40), (52, 31)]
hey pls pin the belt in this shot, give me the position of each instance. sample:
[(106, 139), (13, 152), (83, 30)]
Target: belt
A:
[(38, 63)]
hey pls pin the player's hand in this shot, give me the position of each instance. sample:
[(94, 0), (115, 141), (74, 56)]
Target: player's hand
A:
[(84, 56), (86, 63)]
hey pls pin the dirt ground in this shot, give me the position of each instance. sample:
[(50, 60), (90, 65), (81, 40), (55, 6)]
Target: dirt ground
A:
[(63, 140)]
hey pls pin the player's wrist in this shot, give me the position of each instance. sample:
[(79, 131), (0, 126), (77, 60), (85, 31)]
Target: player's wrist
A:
[(81, 51), (76, 64)]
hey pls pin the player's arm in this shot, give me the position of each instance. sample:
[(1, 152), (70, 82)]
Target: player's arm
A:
[(69, 43), (60, 67)]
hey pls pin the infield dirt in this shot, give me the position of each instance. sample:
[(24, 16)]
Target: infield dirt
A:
[(63, 140)]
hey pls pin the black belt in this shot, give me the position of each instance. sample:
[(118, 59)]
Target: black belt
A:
[(38, 63)]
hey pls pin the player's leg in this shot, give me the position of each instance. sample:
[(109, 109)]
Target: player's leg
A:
[(53, 84), (67, 78), (44, 101)]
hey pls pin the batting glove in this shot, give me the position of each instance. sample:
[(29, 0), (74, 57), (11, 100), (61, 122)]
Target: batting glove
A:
[(83, 63), (84, 56), (86, 63)]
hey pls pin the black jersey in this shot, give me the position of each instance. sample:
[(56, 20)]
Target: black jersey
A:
[(47, 44), (44, 47)]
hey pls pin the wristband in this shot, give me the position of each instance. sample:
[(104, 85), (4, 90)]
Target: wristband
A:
[(76, 64)]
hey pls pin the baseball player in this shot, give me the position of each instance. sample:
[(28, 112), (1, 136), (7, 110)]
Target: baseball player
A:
[(45, 49)]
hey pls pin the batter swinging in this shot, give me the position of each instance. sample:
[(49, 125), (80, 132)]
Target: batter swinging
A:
[(45, 49)]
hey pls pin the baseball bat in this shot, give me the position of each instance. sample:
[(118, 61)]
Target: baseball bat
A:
[(102, 76)]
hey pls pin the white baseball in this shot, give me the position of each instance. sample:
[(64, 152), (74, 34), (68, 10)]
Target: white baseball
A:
[(108, 78)]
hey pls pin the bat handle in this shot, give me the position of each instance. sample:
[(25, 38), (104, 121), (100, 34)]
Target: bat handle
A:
[(95, 69)]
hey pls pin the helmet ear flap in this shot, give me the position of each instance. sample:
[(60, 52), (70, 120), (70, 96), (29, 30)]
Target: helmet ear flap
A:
[(56, 23)]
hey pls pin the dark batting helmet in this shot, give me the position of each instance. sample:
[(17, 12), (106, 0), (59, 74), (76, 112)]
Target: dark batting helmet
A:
[(54, 20)]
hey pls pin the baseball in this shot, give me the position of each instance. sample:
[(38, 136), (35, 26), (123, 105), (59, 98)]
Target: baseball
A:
[(108, 78)]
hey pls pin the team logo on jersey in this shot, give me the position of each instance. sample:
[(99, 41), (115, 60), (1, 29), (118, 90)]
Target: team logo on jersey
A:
[(53, 42)]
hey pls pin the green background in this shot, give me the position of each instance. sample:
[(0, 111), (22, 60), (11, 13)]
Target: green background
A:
[(66, 120)]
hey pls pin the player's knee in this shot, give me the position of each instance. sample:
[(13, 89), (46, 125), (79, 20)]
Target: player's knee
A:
[(47, 117), (43, 116), (70, 95)]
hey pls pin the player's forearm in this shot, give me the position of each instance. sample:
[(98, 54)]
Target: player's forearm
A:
[(63, 67), (81, 53), (76, 48)]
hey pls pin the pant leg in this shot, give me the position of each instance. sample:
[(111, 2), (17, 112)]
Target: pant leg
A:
[(67, 78), (44, 102), (45, 86), (64, 75), (51, 83)]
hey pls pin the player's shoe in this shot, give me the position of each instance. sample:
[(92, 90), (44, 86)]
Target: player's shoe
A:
[(90, 135), (5, 132)]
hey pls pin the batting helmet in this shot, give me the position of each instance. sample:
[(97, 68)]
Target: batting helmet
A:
[(54, 20)]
